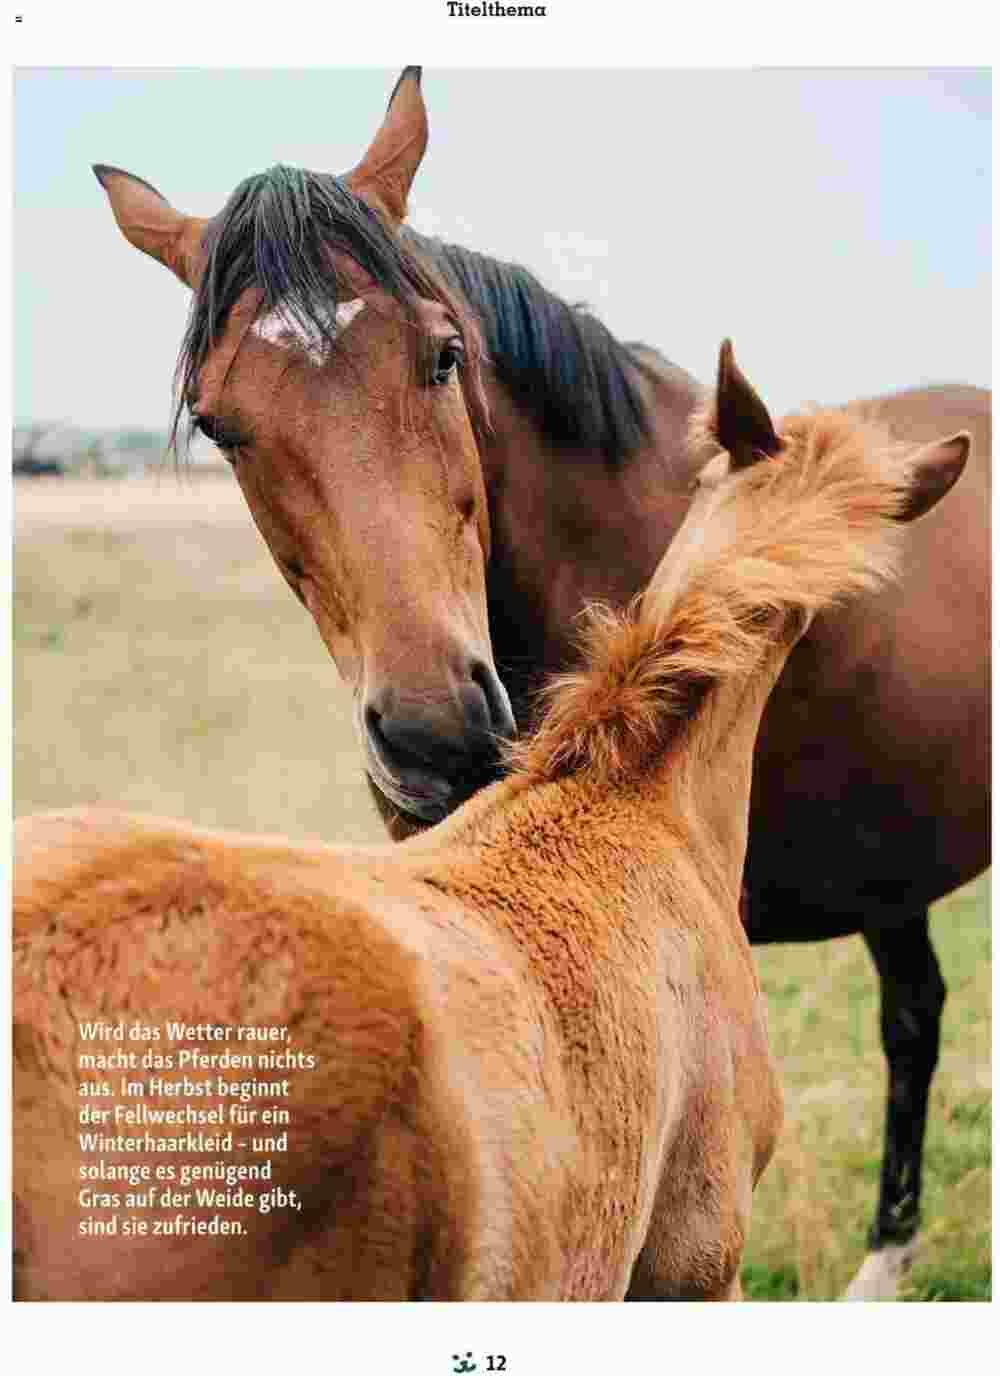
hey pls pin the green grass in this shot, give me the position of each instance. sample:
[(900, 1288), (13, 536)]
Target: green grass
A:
[(770, 1283), (961, 1283), (813, 1207)]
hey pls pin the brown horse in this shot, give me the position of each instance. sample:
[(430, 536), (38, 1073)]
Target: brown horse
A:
[(536, 1049), (871, 786)]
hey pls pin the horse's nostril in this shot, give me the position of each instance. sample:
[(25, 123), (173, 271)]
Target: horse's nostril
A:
[(373, 723), (501, 720), (450, 746), (405, 741), (398, 740)]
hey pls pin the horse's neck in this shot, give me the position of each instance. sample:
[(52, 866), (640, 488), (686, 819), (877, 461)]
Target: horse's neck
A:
[(569, 528)]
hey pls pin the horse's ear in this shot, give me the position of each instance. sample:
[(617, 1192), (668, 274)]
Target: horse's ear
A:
[(385, 174), (151, 223), (742, 424), (933, 470)]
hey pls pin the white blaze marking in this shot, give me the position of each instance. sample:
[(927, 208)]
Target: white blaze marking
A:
[(289, 333), (347, 310)]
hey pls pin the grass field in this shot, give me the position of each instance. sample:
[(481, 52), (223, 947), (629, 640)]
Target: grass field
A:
[(160, 663)]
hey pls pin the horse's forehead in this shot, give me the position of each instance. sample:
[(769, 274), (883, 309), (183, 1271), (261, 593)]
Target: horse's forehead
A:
[(287, 332)]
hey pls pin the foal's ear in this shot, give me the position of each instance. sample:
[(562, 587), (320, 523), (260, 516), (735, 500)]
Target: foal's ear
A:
[(743, 427), (152, 224), (933, 470), (385, 174)]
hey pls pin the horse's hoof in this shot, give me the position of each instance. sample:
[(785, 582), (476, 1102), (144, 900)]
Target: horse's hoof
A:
[(882, 1271)]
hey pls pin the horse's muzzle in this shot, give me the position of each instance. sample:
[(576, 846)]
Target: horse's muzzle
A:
[(429, 758)]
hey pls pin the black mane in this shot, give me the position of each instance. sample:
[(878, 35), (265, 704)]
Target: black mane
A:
[(557, 360), (277, 231)]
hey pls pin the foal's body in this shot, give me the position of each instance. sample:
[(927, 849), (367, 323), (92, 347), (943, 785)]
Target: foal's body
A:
[(508, 1068)]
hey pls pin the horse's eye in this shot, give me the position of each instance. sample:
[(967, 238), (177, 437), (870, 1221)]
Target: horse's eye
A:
[(450, 356), (213, 429), (207, 425)]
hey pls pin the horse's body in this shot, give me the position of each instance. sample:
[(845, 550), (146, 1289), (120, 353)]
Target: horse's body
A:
[(541, 1066), (871, 791)]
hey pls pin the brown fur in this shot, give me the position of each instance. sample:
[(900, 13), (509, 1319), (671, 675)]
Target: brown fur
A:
[(542, 1068)]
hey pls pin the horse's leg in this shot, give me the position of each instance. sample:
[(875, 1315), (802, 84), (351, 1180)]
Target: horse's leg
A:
[(913, 994)]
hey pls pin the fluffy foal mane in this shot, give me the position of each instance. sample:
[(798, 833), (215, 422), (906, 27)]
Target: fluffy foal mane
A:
[(809, 527)]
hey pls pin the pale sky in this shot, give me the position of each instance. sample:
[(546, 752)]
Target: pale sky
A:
[(835, 223)]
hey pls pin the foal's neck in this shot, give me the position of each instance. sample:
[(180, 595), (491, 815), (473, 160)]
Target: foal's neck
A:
[(702, 780)]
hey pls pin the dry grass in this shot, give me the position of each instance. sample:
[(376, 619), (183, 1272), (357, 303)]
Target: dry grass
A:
[(160, 663)]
